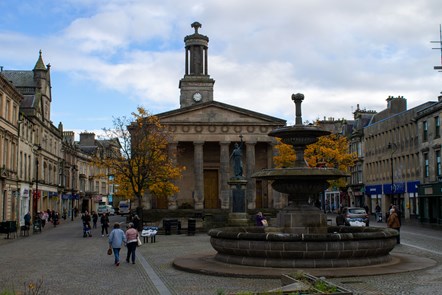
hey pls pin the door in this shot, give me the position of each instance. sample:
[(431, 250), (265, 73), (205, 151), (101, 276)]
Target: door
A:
[(160, 203), (259, 199), (211, 200)]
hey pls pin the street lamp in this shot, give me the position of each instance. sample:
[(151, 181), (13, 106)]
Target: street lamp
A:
[(393, 147), (72, 194), (36, 148)]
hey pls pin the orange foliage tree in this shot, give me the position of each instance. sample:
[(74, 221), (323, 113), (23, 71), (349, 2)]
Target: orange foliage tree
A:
[(285, 156), (142, 162)]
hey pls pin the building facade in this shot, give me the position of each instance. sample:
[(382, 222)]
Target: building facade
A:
[(10, 199), (42, 168), (356, 187), (392, 167), (430, 142), (43, 147)]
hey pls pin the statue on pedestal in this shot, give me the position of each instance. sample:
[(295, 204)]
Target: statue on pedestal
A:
[(237, 159)]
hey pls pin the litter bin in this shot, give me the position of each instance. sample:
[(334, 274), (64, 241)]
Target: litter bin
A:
[(167, 226), (191, 226)]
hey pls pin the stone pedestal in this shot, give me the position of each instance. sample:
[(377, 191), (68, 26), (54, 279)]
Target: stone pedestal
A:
[(237, 219), (238, 215)]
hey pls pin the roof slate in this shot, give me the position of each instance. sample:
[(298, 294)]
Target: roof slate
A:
[(20, 78)]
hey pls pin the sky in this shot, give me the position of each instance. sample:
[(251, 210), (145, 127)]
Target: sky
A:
[(109, 56)]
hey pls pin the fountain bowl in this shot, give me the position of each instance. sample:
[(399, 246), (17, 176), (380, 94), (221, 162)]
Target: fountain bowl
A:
[(276, 247)]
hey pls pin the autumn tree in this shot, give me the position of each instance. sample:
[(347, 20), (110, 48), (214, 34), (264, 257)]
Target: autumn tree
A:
[(285, 156), (141, 163)]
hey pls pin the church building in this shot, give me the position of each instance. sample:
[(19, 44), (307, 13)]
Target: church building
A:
[(204, 133)]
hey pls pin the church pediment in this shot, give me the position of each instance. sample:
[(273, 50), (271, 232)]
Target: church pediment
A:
[(217, 113)]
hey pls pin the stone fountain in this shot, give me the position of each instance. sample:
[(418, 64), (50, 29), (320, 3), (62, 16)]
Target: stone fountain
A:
[(301, 238)]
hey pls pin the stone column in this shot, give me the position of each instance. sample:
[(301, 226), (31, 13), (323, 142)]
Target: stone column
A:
[(250, 169), (224, 168), (172, 150), (198, 157)]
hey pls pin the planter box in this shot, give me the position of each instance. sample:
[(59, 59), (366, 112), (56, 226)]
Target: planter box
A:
[(304, 283)]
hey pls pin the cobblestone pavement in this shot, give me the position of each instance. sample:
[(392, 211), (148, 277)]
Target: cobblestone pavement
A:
[(67, 263)]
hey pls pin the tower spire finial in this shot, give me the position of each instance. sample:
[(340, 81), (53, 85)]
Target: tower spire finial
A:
[(196, 26)]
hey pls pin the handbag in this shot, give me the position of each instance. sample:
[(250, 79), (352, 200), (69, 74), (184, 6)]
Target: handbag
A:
[(139, 241), (109, 251), (264, 222)]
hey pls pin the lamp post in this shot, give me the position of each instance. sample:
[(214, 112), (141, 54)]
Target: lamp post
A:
[(72, 193), (36, 148), (393, 147)]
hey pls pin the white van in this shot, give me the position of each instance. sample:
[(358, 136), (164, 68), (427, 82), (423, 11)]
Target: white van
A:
[(124, 207)]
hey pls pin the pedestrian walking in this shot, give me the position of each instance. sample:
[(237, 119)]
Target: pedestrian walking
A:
[(132, 242), (116, 240), (55, 218), (27, 219), (44, 218), (136, 222), (394, 223), (378, 213), (104, 224), (49, 215), (94, 219)]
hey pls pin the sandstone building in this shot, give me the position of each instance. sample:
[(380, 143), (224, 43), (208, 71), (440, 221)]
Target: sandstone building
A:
[(392, 168)]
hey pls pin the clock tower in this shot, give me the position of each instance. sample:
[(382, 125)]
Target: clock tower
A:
[(196, 86)]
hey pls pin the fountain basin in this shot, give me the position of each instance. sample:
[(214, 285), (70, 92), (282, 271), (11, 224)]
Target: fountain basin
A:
[(273, 247), (300, 173)]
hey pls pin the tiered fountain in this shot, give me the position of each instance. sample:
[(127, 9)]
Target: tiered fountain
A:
[(302, 238)]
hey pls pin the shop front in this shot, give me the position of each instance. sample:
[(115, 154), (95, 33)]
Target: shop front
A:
[(374, 193), (430, 203)]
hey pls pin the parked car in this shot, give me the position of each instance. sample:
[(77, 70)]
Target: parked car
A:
[(355, 216), (106, 209)]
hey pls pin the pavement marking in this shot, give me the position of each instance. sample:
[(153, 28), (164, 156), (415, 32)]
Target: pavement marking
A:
[(421, 248), (157, 282)]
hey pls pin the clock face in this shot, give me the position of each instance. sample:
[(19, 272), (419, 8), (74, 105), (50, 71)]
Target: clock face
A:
[(197, 96)]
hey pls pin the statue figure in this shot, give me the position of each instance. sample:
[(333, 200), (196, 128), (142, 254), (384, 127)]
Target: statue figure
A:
[(237, 161)]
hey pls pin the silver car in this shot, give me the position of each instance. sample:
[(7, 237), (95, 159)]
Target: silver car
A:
[(105, 209), (355, 216)]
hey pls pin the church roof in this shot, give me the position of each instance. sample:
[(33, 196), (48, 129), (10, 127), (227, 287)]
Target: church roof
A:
[(214, 111), (20, 78)]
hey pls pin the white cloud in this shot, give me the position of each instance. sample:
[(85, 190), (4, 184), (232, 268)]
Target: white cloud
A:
[(338, 53)]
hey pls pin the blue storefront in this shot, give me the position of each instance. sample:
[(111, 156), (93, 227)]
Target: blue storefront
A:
[(386, 194)]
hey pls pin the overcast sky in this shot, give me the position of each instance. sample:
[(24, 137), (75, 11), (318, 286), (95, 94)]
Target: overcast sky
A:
[(109, 56)]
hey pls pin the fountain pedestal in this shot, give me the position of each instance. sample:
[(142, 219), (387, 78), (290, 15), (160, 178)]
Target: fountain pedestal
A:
[(302, 219)]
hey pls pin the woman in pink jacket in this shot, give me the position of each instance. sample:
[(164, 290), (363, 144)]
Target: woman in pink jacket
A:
[(132, 242)]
